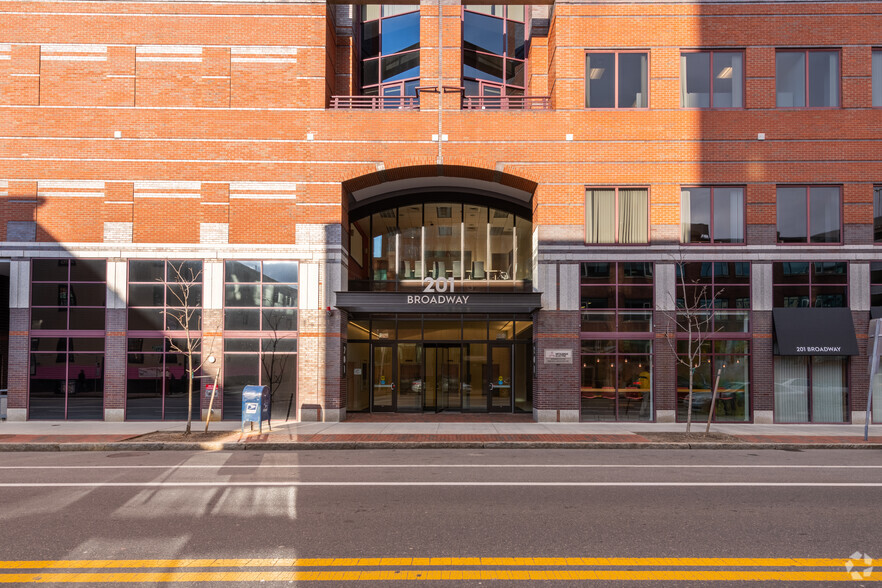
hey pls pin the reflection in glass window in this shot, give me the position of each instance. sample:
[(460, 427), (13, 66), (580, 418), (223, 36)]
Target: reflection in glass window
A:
[(260, 296), (815, 86), (808, 214), (731, 359), (711, 79), (68, 294), (616, 380), (712, 215), (616, 297), (617, 80), (390, 57), (165, 295), (494, 51), (799, 284), (877, 78), (877, 214)]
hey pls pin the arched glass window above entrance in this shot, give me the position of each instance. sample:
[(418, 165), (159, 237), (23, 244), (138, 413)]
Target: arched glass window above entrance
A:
[(442, 245)]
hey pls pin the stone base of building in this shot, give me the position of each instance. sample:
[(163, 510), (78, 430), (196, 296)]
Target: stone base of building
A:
[(114, 415), (16, 414), (763, 417), (555, 416), (859, 417), (335, 415), (666, 416)]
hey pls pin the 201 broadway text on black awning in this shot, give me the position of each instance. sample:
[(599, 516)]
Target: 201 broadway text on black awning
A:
[(814, 331)]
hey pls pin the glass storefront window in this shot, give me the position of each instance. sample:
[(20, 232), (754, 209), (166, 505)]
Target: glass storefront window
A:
[(732, 359), (616, 380), (722, 288), (156, 381), (804, 284), (811, 389), (165, 295), (67, 379), (476, 246)]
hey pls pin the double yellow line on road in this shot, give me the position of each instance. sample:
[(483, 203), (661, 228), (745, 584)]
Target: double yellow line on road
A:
[(441, 568)]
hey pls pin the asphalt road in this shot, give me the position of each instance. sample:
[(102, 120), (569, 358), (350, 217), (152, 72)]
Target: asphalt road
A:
[(331, 510)]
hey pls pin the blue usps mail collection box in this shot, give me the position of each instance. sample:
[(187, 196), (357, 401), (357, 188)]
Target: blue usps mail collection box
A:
[(255, 406)]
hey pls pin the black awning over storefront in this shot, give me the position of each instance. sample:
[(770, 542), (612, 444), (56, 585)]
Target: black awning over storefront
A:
[(814, 331), (449, 302)]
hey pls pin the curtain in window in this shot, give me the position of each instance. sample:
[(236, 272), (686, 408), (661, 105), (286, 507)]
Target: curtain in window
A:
[(600, 216), (633, 216), (642, 99), (685, 214), (791, 389), (828, 389), (729, 215), (684, 99)]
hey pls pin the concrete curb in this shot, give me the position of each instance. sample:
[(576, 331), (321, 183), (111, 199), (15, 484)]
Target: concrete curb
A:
[(338, 445)]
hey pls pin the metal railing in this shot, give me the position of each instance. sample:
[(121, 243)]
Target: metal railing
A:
[(375, 102), (506, 102)]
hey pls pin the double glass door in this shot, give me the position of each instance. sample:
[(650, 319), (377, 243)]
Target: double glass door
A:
[(468, 377)]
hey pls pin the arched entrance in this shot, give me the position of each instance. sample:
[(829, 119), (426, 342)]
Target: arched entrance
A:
[(439, 298)]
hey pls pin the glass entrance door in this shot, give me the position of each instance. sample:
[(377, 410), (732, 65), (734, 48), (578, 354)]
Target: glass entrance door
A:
[(443, 380), (501, 383), (410, 383), (383, 379)]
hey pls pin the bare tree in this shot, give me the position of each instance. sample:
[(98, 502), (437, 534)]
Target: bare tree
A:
[(694, 318), (184, 311), (274, 358)]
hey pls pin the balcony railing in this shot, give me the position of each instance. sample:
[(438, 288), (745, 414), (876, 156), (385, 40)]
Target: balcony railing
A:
[(506, 102), (375, 102)]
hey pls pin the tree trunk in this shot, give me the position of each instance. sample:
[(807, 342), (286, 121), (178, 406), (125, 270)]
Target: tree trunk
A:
[(689, 402), (189, 391)]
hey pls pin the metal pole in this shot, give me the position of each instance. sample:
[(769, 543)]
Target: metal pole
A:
[(874, 363)]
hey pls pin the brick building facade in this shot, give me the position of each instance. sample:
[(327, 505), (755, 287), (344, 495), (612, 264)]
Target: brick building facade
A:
[(625, 159)]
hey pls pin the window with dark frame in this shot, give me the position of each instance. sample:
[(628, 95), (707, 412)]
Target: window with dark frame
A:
[(68, 294), (807, 78), (809, 214), (876, 284), (618, 79), (877, 77), (712, 215), (711, 79), (261, 299), (723, 289), (157, 290), (806, 284), (494, 50), (616, 215), (877, 214), (389, 37), (617, 301)]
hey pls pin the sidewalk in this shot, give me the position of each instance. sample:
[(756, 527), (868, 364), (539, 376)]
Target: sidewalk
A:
[(424, 431)]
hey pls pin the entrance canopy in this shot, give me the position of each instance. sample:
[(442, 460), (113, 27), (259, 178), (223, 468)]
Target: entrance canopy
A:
[(814, 331), (434, 302)]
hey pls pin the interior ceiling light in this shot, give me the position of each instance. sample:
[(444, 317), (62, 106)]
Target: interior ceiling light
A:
[(725, 73), (596, 73)]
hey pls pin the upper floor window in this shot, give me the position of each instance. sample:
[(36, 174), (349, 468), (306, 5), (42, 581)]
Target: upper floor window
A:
[(877, 77), (807, 78), (260, 296), (711, 79), (809, 214), (803, 284), (617, 215), (68, 294), (712, 215), (165, 295), (494, 50), (477, 247), (617, 80), (390, 50)]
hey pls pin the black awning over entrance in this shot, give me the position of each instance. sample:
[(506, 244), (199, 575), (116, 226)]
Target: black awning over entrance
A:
[(456, 302), (814, 331)]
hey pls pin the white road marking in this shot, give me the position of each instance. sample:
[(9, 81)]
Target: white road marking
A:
[(436, 466), (295, 483)]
